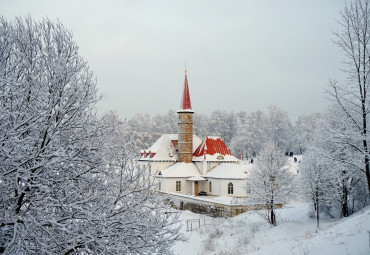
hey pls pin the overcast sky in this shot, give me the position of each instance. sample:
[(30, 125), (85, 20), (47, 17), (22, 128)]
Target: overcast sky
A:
[(240, 55)]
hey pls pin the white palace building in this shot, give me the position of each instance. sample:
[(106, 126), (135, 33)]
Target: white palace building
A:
[(185, 164)]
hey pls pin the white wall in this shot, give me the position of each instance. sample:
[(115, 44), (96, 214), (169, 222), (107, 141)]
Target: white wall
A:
[(169, 185), (220, 187), (216, 187), (203, 186)]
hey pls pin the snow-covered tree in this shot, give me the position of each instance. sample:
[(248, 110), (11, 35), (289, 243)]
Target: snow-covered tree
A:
[(250, 133), (201, 122), (63, 188), (222, 123), (352, 98), (316, 181), (270, 180), (344, 162), (279, 128), (239, 143), (134, 218), (167, 123), (305, 129), (257, 131), (141, 128)]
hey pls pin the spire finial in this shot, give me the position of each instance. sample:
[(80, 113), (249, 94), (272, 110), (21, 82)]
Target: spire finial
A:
[(185, 99)]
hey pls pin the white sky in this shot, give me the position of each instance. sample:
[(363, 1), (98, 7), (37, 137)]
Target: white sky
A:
[(240, 55)]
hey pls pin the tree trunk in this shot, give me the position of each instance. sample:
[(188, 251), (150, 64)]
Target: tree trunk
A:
[(272, 215), (367, 174), (273, 222), (344, 199), (364, 142), (314, 203), (317, 213)]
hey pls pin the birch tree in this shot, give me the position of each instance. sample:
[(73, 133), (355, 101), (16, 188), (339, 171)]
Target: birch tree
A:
[(352, 97)]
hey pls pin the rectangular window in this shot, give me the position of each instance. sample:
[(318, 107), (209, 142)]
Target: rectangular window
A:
[(178, 185)]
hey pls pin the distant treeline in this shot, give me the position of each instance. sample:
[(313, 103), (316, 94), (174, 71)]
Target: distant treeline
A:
[(244, 132)]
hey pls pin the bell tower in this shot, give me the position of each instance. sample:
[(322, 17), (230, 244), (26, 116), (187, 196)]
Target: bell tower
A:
[(185, 139)]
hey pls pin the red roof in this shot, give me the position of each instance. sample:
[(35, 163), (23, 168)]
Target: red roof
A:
[(212, 146), (185, 100)]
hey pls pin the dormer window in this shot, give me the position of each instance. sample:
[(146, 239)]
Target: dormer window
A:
[(175, 144)]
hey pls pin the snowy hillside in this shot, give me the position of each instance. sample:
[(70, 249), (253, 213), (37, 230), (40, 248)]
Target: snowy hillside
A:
[(248, 233)]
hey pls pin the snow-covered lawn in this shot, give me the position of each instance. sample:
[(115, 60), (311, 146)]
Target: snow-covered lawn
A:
[(248, 233)]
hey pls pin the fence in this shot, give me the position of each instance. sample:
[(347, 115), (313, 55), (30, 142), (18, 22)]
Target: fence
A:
[(196, 224)]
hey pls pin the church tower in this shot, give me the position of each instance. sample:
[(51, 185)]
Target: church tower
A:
[(185, 140)]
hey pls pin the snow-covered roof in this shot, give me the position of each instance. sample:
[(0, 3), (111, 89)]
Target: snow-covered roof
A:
[(160, 150), (181, 170), (196, 178), (292, 166), (227, 171), (213, 149), (247, 166)]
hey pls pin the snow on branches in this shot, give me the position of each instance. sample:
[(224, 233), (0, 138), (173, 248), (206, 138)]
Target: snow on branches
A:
[(65, 187), (270, 180)]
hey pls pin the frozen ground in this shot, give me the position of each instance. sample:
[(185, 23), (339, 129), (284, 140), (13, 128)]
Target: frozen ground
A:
[(248, 233)]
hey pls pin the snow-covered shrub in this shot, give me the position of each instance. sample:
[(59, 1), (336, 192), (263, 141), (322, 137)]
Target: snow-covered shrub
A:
[(215, 233), (208, 246)]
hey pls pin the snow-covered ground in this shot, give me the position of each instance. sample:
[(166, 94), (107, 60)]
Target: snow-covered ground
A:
[(248, 233)]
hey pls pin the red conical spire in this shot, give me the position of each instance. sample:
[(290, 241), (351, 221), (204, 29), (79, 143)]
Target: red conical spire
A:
[(185, 100)]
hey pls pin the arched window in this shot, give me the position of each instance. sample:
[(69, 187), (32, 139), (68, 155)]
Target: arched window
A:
[(210, 187), (178, 185), (230, 188)]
